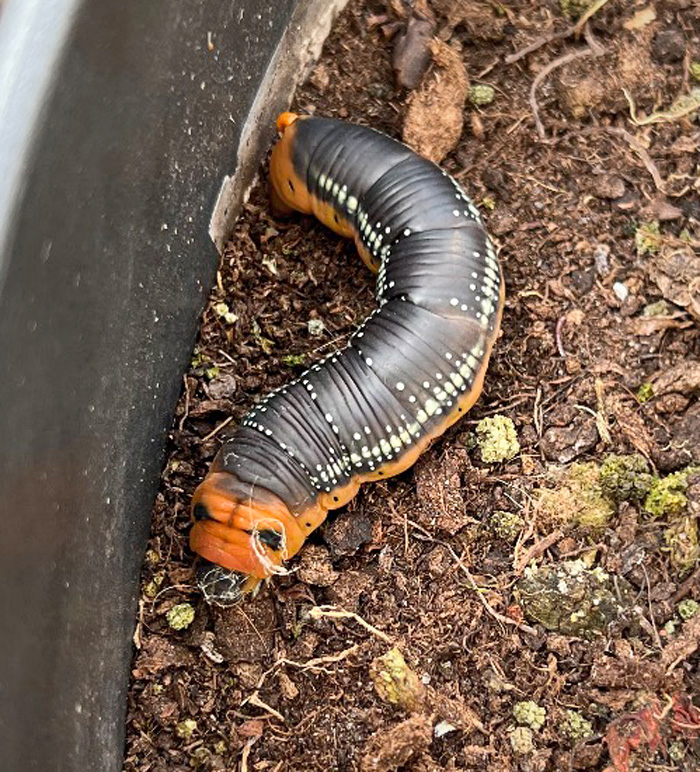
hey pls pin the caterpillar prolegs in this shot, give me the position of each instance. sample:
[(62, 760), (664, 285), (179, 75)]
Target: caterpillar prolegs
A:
[(412, 369)]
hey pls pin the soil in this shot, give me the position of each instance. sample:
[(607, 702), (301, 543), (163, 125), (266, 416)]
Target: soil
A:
[(597, 217)]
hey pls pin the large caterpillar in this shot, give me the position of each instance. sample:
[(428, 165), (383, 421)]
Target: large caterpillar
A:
[(413, 368)]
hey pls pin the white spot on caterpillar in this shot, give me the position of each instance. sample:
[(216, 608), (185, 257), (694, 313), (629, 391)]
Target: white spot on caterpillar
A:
[(400, 386)]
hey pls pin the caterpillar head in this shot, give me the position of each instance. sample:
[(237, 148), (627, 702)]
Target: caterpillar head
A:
[(243, 536)]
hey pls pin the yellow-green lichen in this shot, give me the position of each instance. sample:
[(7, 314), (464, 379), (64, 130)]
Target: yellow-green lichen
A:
[(694, 68), (185, 729), (644, 393), (180, 616), (681, 538), (521, 741), (578, 498), (529, 713), (625, 477), (571, 599), (575, 727), (647, 238), (506, 525), (688, 608), (666, 496), (481, 95), (395, 682), (573, 9), (497, 439), (293, 360), (224, 313)]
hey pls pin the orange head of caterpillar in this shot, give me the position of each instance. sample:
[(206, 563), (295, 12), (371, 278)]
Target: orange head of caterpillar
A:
[(243, 536), (288, 191)]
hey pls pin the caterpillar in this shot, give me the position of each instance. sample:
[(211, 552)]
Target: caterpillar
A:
[(413, 368)]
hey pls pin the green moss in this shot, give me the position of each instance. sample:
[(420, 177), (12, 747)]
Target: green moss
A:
[(625, 478), (521, 741), (185, 729), (666, 496), (481, 95), (180, 616), (293, 360), (644, 393), (497, 439), (487, 202), (647, 238), (529, 713), (575, 727), (578, 498), (506, 525), (688, 608), (573, 9), (694, 68)]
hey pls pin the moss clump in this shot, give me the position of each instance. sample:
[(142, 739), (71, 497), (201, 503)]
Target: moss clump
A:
[(573, 600), (395, 682), (666, 496), (694, 68), (505, 525), (185, 729), (647, 238), (497, 439), (575, 727), (644, 393), (573, 9), (529, 713), (521, 741), (293, 360), (688, 608), (481, 95), (181, 616), (681, 539), (625, 478), (578, 499)]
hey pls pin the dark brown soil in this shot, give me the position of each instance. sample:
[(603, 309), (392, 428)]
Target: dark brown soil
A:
[(275, 686)]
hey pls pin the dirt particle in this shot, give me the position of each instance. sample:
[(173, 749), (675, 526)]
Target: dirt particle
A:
[(389, 750), (669, 45), (316, 567)]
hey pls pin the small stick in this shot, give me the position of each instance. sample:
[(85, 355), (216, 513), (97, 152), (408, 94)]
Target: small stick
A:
[(491, 610), (640, 150), (588, 13), (335, 613), (536, 550), (215, 431)]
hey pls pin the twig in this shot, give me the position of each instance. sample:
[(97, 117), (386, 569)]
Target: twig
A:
[(543, 73), (215, 431), (317, 612), (246, 753), (187, 403), (479, 592), (254, 699), (536, 550), (512, 58), (594, 49), (640, 150), (588, 13)]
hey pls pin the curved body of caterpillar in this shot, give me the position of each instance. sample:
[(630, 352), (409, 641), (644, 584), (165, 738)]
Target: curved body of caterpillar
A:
[(413, 368)]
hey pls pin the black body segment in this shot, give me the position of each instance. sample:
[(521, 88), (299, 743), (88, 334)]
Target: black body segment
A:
[(414, 365)]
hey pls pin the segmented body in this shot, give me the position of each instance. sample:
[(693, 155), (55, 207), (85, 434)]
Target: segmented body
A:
[(411, 370)]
